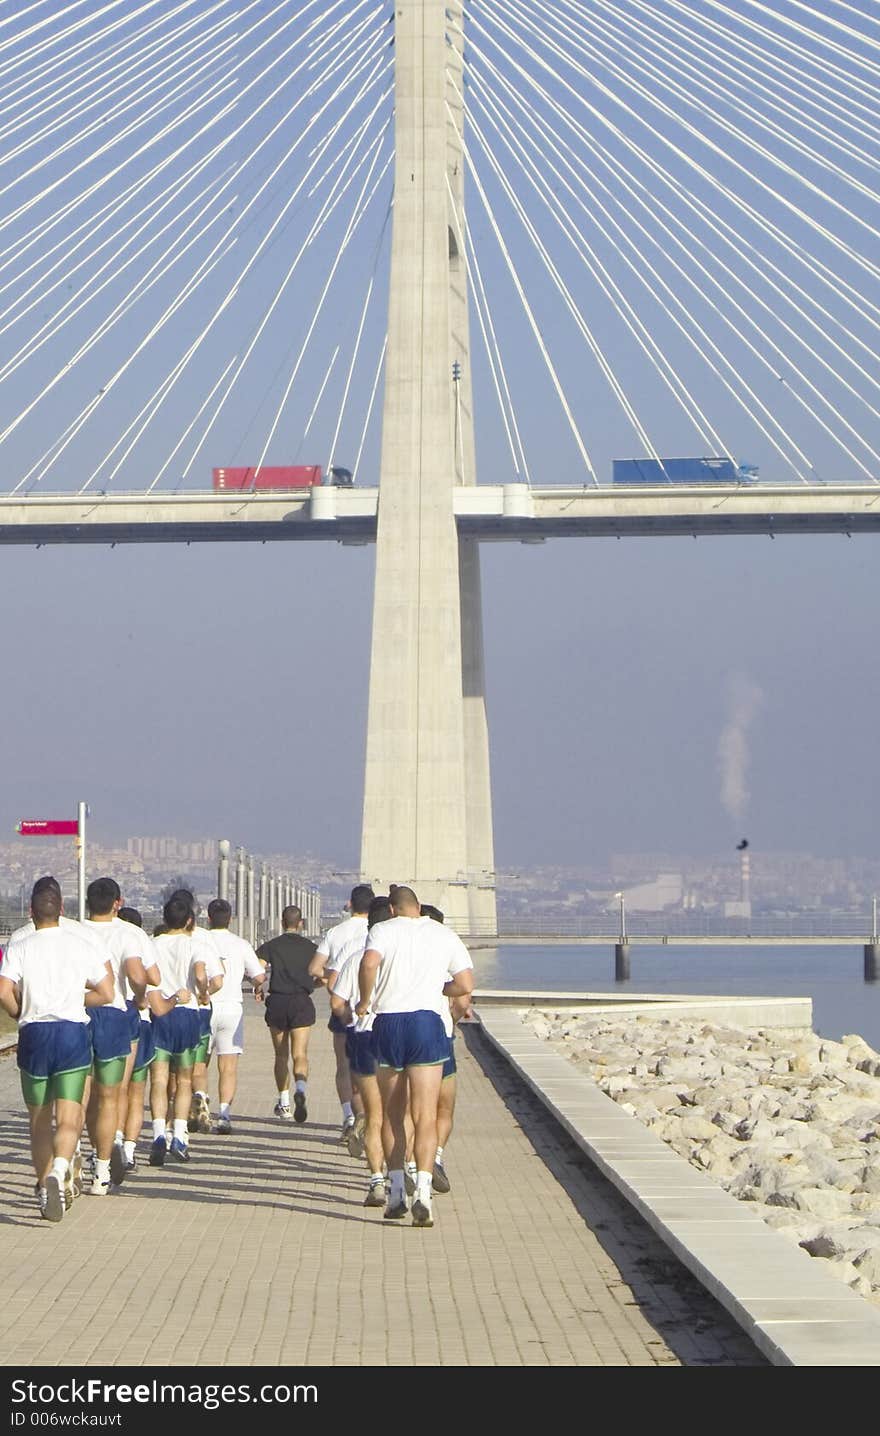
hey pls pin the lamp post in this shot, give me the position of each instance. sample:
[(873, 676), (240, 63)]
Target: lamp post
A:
[(621, 947)]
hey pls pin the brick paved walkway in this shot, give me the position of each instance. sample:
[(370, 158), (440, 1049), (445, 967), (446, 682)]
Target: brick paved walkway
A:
[(261, 1253)]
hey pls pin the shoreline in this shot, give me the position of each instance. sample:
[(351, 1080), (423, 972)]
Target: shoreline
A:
[(786, 1122)]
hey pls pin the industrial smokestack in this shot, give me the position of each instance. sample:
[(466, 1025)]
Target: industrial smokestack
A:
[(744, 875)]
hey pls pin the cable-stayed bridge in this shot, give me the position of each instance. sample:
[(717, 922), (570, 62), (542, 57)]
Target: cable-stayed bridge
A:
[(471, 251)]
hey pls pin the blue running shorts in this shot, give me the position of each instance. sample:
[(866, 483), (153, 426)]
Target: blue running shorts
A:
[(410, 1039), (134, 1018), (362, 1055), (449, 1067)]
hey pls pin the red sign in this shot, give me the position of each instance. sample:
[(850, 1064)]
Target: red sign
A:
[(48, 827)]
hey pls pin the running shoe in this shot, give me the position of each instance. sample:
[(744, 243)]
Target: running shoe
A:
[(117, 1165), (53, 1210), (409, 1179), (69, 1192), (281, 1109), (300, 1111), (439, 1180), (203, 1119), (396, 1213), (375, 1195), (224, 1126), (40, 1194), (158, 1152), (421, 1214), (346, 1128), (179, 1150), (192, 1121), (76, 1174), (355, 1139), (131, 1164), (99, 1188)]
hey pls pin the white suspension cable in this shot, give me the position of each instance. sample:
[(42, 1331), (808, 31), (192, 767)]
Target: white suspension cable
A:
[(568, 299), (360, 208), (577, 238), (533, 324), (737, 56), (318, 398), (192, 423), (625, 33), (114, 78), (751, 213), (30, 93), (685, 246), (690, 328), (372, 400), (114, 379), (781, 18), (465, 247), (365, 88), (653, 98)]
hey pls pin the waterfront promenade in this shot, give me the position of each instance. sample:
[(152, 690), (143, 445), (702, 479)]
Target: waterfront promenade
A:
[(261, 1253)]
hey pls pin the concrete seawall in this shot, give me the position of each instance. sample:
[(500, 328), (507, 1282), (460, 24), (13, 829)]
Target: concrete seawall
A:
[(796, 1313)]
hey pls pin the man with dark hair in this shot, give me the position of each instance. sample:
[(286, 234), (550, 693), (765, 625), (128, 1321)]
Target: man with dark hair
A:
[(337, 944), (344, 997), (199, 1119), (145, 1051), (177, 1033), (410, 967), (290, 1011), (227, 1017), (457, 1008), (50, 976), (115, 1032)]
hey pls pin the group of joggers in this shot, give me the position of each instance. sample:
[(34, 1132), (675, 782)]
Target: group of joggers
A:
[(102, 1007)]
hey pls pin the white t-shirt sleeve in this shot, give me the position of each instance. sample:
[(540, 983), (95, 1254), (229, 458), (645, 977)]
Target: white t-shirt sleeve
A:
[(374, 939), (252, 965), (459, 957), (323, 949), (11, 966)]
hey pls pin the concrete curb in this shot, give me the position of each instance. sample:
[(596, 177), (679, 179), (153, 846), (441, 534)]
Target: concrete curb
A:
[(793, 1013), (796, 1313)]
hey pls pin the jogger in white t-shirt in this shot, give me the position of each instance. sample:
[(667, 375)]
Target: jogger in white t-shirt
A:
[(227, 1017)]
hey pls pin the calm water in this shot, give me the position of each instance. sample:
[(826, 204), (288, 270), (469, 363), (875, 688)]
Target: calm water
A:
[(832, 976)]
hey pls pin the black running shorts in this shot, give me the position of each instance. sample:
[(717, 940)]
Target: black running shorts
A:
[(286, 1010)]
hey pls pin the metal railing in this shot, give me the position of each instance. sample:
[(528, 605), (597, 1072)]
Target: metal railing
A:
[(666, 927), (258, 895)]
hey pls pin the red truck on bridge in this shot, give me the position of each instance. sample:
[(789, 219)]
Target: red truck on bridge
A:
[(288, 476)]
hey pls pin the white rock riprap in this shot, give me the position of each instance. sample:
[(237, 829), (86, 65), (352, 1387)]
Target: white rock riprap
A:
[(788, 1121)]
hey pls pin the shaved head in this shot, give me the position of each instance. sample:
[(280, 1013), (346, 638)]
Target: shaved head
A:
[(405, 902)]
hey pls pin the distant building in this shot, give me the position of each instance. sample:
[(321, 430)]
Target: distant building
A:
[(167, 849)]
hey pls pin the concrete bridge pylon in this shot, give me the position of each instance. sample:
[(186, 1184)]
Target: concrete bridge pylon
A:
[(427, 799)]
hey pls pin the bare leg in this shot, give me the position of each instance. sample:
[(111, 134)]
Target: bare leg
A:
[(101, 1116), (392, 1090), (159, 1089), (445, 1110), (42, 1147), (369, 1091), (299, 1039), (227, 1066), (134, 1115), (343, 1075), (281, 1046), (183, 1094), (424, 1086), (122, 1112)]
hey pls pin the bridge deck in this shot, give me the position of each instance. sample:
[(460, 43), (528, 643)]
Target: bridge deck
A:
[(260, 1252)]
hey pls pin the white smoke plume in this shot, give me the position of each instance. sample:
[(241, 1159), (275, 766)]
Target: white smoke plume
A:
[(745, 698)]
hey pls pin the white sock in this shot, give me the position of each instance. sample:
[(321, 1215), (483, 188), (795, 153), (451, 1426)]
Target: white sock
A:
[(411, 1168), (117, 1140), (179, 1130), (60, 1168), (284, 1097), (346, 1111), (398, 1192), (300, 1084), (224, 1109), (376, 1178), (158, 1129), (102, 1170), (439, 1157), (201, 1094), (423, 1187), (128, 1149)]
